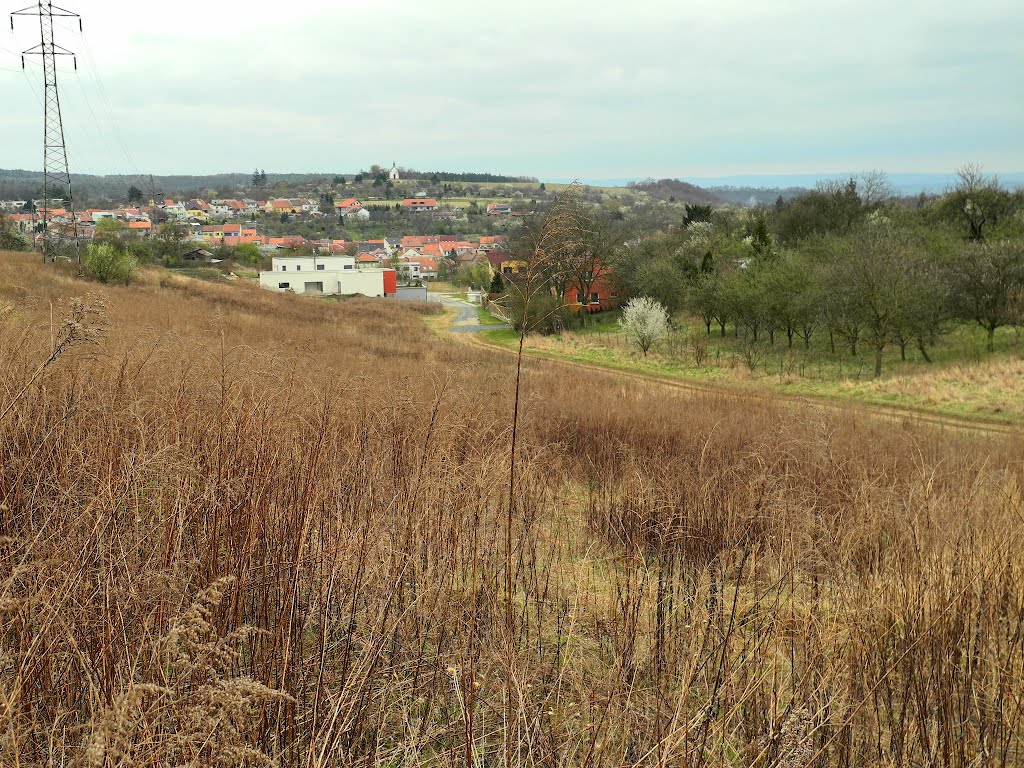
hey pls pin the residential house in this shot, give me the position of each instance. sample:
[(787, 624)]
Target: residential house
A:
[(499, 209), (329, 275), (419, 204), (288, 241), (511, 268), (348, 205), (139, 228), (281, 206), (174, 210), (419, 265), (492, 242), (23, 221), (198, 210), (595, 291), (219, 210), (369, 260)]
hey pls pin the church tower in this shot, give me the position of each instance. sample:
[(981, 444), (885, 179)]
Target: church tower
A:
[(393, 173)]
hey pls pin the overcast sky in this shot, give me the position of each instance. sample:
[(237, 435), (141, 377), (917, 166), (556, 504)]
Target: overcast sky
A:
[(546, 88)]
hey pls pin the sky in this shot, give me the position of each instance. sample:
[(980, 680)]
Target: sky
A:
[(544, 88)]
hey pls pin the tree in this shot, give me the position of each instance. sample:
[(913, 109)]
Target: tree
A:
[(539, 246), (791, 296), (644, 321), (247, 253), (497, 284), (586, 257), (108, 263), (760, 238), (695, 213), (704, 298), (875, 290), (662, 280), (10, 237), (977, 201), (169, 242), (109, 228), (988, 281), (134, 194), (879, 288), (744, 296)]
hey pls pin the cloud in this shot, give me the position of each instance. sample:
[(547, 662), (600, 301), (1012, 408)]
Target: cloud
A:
[(555, 88)]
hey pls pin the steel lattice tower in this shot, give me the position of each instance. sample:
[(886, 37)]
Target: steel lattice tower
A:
[(55, 153)]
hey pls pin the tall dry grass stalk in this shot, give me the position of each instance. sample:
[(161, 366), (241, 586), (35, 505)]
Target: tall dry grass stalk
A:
[(245, 529)]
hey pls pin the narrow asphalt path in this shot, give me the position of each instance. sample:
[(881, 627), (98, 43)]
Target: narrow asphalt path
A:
[(466, 321)]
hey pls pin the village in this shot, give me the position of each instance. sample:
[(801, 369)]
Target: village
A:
[(247, 230)]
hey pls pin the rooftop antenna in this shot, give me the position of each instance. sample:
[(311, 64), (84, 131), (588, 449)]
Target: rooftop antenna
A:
[(55, 153)]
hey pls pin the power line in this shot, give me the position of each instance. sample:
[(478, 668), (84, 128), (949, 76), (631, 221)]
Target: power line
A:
[(55, 152)]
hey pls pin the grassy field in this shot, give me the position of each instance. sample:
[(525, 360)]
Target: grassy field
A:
[(246, 528), (963, 379)]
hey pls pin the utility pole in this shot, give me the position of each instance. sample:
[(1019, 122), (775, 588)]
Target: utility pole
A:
[(55, 153)]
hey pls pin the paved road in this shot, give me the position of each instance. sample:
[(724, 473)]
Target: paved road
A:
[(466, 321)]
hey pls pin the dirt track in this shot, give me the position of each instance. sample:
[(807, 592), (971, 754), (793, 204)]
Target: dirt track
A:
[(907, 416)]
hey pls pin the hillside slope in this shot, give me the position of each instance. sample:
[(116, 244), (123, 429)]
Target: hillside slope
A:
[(243, 528)]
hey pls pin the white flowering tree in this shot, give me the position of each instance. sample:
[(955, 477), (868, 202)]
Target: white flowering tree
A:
[(644, 321)]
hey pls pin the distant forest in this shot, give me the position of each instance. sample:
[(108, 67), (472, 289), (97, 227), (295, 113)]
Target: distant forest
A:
[(21, 184), (673, 190), (491, 178)]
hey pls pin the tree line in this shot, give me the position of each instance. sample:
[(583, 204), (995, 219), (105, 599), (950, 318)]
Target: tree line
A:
[(846, 264)]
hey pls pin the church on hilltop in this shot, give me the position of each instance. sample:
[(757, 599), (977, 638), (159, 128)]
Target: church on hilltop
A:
[(393, 173)]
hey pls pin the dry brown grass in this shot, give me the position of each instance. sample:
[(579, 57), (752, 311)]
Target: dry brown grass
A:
[(239, 528), (993, 388)]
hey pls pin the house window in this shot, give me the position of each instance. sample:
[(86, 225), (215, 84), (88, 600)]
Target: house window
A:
[(320, 266), (594, 299), (348, 266), (284, 285), (284, 268)]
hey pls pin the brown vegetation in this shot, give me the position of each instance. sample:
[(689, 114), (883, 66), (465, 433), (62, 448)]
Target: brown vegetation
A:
[(240, 528)]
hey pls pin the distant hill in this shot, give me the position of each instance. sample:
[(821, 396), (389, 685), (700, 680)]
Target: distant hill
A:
[(21, 184), (905, 183), (680, 191), (751, 196)]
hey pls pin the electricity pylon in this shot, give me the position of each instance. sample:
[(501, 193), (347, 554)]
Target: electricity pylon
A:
[(55, 153)]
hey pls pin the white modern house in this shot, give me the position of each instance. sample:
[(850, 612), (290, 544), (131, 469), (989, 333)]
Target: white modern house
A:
[(219, 210), (327, 275)]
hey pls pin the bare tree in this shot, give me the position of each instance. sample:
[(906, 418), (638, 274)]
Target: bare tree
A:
[(977, 201)]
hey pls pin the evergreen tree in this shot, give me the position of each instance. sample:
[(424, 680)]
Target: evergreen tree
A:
[(497, 284)]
